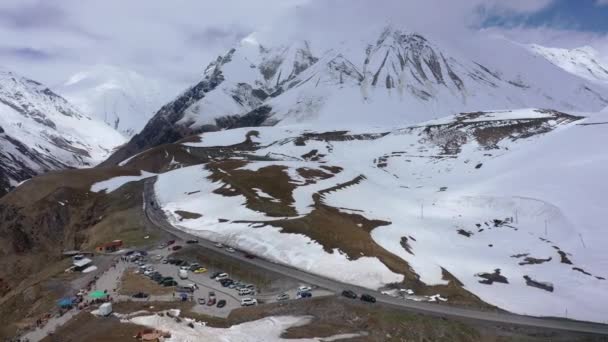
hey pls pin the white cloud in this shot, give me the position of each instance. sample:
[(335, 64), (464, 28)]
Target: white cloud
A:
[(601, 2), (172, 41)]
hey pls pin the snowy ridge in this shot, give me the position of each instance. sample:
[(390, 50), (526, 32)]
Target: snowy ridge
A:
[(41, 131), (584, 62)]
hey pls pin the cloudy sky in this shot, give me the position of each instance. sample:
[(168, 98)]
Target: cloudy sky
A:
[(172, 41)]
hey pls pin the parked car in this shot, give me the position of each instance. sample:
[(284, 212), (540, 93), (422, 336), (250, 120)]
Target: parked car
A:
[(230, 250), (185, 268), (349, 294), (226, 282), (219, 245), (170, 242), (244, 292), (192, 241), (169, 283), (214, 275), (368, 298), (282, 296), (176, 248), (201, 301), (194, 266), (249, 301), (221, 303), (249, 256), (200, 270), (250, 286), (304, 295), (183, 274), (221, 276), (185, 289), (141, 295), (212, 299)]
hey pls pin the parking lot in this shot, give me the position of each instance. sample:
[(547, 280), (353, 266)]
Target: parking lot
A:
[(158, 259)]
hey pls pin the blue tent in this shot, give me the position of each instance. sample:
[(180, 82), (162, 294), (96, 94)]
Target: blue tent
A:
[(65, 302)]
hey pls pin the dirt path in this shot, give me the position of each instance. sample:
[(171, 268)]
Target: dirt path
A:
[(108, 280)]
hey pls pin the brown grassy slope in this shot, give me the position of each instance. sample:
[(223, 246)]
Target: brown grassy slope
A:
[(53, 213)]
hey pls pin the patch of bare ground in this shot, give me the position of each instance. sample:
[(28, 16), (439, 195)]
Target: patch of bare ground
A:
[(132, 283), (87, 327), (167, 157), (186, 215), (273, 180), (488, 133), (335, 136)]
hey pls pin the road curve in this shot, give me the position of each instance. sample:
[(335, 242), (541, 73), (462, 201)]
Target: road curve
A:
[(156, 217)]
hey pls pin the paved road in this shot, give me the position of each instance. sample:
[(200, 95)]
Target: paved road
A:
[(156, 217)]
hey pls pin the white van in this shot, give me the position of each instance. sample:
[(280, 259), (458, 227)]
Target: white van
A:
[(183, 274)]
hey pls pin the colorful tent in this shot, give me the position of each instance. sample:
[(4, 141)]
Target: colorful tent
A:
[(65, 302), (98, 294)]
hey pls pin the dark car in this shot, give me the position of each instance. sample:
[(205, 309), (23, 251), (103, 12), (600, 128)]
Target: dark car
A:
[(221, 303), (226, 282), (249, 256), (156, 277), (176, 248), (192, 241), (194, 267), (141, 295), (305, 295), (169, 283), (349, 294), (170, 242), (215, 274), (368, 298)]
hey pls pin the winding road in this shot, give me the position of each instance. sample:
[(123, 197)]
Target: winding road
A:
[(156, 217)]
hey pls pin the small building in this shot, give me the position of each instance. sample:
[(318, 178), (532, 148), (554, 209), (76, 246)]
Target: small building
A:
[(82, 264), (110, 247)]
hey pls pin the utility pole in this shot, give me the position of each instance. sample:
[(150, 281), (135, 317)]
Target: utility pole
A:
[(581, 237)]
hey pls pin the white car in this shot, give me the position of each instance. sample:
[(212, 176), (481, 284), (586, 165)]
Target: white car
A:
[(244, 292), (183, 274), (304, 288), (219, 245), (230, 250), (185, 268), (221, 276), (282, 296), (249, 301)]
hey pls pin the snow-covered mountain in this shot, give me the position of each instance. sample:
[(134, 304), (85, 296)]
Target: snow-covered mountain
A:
[(380, 77), (122, 98), (41, 131), (584, 61)]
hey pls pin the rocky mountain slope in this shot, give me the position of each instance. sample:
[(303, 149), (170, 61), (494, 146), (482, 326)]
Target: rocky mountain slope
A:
[(384, 77), (584, 61), (121, 98), (461, 205), (40, 131)]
